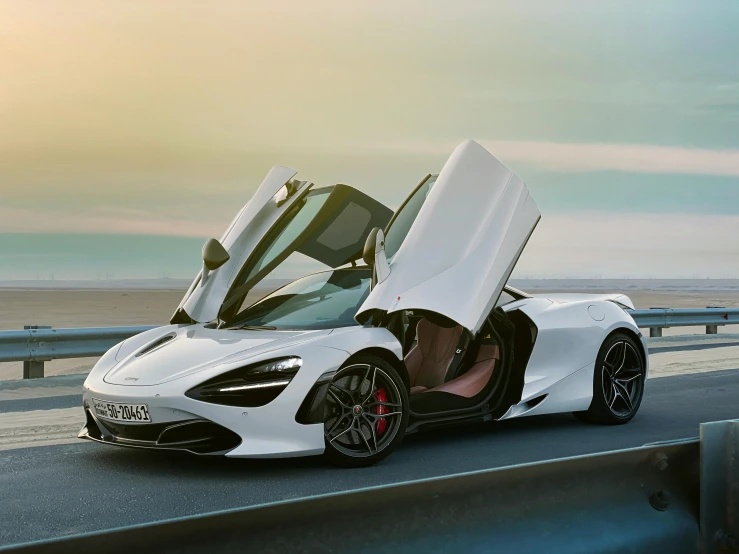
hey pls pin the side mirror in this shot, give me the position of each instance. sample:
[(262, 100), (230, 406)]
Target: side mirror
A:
[(368, 255), (214, 255)]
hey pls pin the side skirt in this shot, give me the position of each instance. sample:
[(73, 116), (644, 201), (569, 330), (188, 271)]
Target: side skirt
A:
[(454, 421)]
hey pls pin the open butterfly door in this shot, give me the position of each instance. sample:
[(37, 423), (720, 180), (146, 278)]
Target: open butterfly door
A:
[(462, 246), (328, 224)]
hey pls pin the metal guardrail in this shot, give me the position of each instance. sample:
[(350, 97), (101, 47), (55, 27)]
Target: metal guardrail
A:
[(658, 318), (36, 345), (680, 497)]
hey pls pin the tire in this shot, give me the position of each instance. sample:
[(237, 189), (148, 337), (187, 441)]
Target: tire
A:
[(616, 399), (365, 414)]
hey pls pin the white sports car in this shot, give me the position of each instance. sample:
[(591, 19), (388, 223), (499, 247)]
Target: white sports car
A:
[(347, 361)]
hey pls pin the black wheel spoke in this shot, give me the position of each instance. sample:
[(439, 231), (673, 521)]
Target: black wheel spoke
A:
[(608, 366), (620, 358), (607, 376), (614, 396), (345, 431), (607, 372), (336, 423), (342, 390), (624, 381), (624, 394), (614, 358), (371, 392), (372, 429), (364, 378), (380, 416), (628, 371), (378, 403), (361, 434), (337, 399)]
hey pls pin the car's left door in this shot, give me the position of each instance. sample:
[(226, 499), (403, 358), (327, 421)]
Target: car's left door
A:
[(328, 224)]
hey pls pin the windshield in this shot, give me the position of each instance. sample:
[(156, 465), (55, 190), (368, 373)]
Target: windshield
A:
[(277, 245), (325, 300), (405, 216)]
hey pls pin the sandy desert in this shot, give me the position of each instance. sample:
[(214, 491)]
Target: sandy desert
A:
[(101, 308)]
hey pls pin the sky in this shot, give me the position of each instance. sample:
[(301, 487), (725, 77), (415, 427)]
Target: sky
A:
[(131, 131)]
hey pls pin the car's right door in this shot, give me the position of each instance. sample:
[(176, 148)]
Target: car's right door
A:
[(462, 246)]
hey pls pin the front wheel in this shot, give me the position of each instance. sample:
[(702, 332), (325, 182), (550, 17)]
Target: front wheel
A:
[(618, 382), (366, 412)]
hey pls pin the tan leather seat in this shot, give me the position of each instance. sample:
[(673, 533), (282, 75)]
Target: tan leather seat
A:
[(428, 362)]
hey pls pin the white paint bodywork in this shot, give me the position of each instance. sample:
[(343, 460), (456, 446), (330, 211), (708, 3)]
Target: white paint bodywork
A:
[(463, 244), (561, 367), (454, 261), (567, 342), (198, 354), (577, 297)]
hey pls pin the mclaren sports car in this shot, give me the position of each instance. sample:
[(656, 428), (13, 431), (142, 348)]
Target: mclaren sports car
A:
[(412, 325)]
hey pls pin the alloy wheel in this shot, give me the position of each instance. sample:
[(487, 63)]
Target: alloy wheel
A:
[(622, 378), (363, 410)]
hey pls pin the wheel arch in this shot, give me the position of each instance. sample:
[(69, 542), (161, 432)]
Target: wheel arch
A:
[(600, 410), (637, 339), (387, 356)]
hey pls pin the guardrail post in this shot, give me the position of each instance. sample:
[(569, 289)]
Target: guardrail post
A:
[(719, 484), (712, 329), (34, 369), (655, 332)]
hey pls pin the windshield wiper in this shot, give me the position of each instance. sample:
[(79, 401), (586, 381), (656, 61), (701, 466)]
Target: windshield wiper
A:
[(255, 327)]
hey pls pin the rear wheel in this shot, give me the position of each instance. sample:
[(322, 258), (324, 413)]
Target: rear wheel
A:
[(618, 382), (366, 412)]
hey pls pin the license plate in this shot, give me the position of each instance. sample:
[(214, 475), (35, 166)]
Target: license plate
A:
[(117, 411)]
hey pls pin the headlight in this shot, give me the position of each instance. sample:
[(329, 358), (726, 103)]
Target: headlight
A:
[(249, 386)]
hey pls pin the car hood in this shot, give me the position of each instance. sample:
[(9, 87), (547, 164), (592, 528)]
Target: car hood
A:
[(566, 297), (196, 348)]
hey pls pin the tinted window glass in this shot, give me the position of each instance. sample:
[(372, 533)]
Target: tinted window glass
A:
[(400, 226), (347, 228), (321, 301), (290, 232)]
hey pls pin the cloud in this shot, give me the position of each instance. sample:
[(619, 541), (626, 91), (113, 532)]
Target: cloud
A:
[(564, 245), (581, 157), (105, 220), (609, 245)]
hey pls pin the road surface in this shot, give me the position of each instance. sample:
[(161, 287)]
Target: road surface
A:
[(64, 489)]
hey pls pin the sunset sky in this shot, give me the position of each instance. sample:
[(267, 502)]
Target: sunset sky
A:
[(158, 119)]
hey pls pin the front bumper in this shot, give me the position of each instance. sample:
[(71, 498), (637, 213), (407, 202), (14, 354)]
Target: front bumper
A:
[(183, 423), (197, 436)]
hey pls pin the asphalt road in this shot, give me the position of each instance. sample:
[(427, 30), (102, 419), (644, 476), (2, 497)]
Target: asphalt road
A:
[(48, 403), (53, 491)]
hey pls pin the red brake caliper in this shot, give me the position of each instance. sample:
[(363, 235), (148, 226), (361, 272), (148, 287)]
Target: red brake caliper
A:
[(381, 396)]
